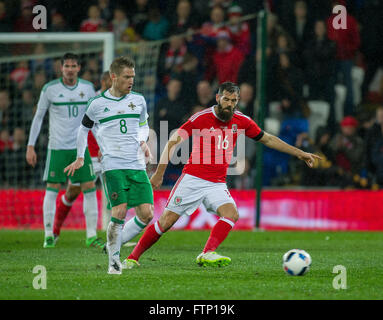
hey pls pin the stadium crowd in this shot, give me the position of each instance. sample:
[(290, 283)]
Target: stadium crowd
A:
[(208, 44)]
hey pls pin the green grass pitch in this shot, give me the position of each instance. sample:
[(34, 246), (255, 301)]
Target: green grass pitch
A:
[(168, 270)]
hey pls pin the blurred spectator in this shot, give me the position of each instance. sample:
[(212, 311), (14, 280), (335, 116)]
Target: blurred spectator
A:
[(20, 74), (239, 31), (139, 15), (93, 21), (36, 82), (274, 29), (285, 44), (205, 95), (5, 103), (246, 103), (17, 172), (189, 76), (56, 69), (105, 82), (171, 108), (300, 27), (24, 21), (106, 10), (347, 44), (288, 88), (208, 35), (324, 172), (119, 23), (5, 21), (157, 26), (130, 35), (172, 57), (374, 134), (45, 64), (5, 140), (21, 114), (183, 20), (227, 59), (348, 148), (320, 73), (58, 23), (366, 121)]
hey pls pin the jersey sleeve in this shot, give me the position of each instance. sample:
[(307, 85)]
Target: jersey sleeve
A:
[(90, 110), (252, 130), (143, 132), (186, 130), (42, 107)]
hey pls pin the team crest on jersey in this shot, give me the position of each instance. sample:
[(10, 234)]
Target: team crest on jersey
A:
[(114, 196), (177, 200), (234, 128), (82, 94), (53, 174), (132, 106), (61, 95)]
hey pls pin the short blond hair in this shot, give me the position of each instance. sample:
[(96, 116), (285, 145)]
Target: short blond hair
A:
[(120, 63)]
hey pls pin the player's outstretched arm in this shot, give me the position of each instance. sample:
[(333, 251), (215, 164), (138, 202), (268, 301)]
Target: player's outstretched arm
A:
[(167, 153), (274, 142)]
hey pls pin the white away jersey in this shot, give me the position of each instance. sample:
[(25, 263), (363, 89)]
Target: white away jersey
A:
[(118, 122), (66, 107)]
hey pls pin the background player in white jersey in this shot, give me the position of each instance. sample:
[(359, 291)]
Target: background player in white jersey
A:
[(66, 99), (65, 203), (215, 132), (120, 116)]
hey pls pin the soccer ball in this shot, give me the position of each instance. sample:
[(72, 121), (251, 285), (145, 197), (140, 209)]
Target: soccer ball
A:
[(296, 262)]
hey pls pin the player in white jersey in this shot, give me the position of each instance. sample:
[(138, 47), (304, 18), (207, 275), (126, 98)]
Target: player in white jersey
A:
[(65, 203), (120, 117), (66, 99)]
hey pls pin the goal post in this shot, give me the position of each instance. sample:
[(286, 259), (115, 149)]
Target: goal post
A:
[(107, 39)]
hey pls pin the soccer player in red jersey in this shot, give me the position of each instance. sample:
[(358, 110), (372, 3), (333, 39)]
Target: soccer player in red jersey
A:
[(215, 131)]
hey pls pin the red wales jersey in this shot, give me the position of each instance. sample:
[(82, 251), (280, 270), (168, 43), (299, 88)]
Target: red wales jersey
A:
[(214, 142), (92, 145)]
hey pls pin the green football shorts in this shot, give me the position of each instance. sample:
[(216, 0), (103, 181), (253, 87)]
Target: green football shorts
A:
[(128, 186), (56, 162)]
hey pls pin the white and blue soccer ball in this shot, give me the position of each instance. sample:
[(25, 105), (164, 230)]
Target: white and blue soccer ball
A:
[(296, 262)]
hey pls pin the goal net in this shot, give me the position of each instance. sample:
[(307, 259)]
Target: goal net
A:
[(27, 63)]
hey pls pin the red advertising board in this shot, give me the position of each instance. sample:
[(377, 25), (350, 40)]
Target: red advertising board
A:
[(298, 210)]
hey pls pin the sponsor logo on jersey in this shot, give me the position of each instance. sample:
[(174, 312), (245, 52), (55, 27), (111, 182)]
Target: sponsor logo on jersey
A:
[(61, 95), (212, 129)]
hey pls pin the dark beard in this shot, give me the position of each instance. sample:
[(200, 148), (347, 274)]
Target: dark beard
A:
[(224, 115)]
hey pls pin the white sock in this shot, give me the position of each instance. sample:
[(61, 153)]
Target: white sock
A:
[(132, 228), (49, 209), (91, 212), (114, 239)]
